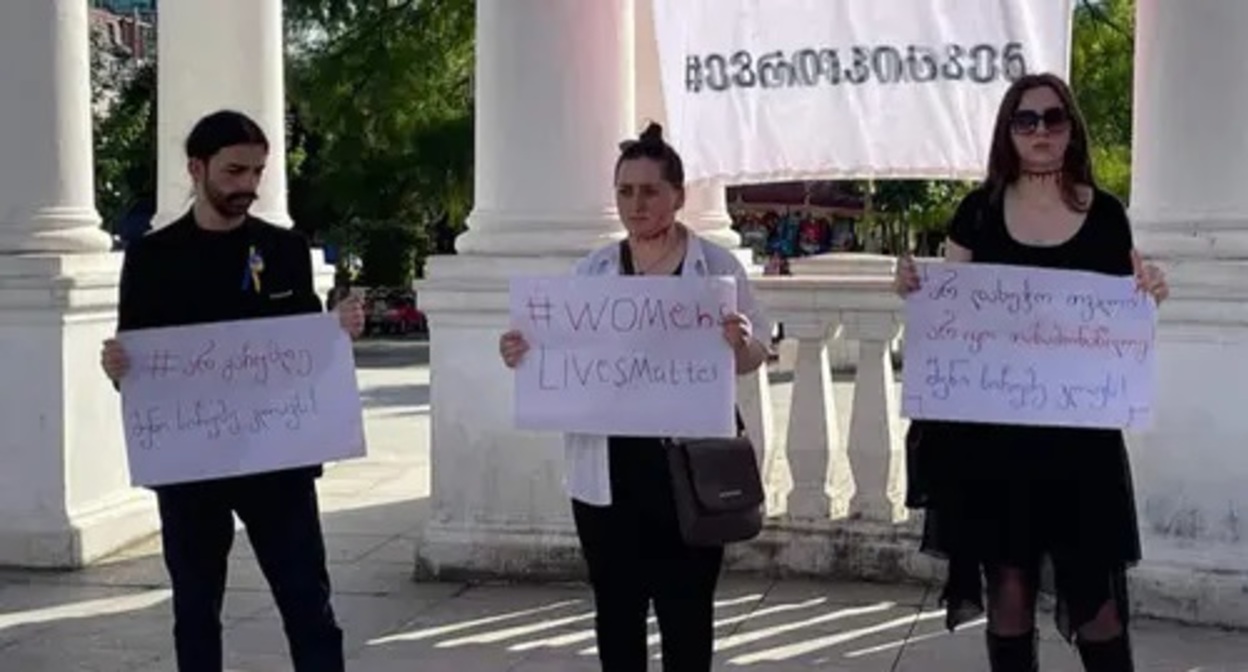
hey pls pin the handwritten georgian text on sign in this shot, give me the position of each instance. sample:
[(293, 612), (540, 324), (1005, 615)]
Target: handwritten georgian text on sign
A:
[(234, 398), (625, 356), (1028, 346)]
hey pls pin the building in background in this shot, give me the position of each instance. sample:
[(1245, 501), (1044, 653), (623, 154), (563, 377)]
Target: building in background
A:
[(128, 27)]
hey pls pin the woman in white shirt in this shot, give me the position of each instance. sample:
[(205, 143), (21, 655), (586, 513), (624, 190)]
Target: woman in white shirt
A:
[(620, 487)]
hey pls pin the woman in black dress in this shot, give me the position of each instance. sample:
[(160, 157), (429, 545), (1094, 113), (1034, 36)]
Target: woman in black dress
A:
[(1001, 501)]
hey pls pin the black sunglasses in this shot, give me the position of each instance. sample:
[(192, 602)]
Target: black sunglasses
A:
[(1025, 122)]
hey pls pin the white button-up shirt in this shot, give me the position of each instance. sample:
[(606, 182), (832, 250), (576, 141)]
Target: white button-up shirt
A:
[(588, 468)]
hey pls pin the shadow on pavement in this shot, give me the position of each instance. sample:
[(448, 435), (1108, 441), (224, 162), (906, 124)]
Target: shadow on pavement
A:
[(115, 617)]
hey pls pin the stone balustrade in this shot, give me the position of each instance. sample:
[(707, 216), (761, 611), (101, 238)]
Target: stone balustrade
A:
[(835, 496)]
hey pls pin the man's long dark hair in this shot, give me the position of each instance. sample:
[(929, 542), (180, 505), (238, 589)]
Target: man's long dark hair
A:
[(1004, 165), (221, 129)]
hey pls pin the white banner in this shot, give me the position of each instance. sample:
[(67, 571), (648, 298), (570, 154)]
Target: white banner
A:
[(774, 90), (625, 356), (1029, 346), (234, 398)]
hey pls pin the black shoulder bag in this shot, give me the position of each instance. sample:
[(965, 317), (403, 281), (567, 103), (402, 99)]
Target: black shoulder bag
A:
[(717, 489), (716, 484)]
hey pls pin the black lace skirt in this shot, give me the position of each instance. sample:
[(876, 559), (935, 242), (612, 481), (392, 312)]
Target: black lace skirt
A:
[(1031, 498)]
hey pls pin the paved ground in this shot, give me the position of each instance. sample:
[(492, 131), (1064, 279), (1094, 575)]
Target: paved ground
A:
[(115, 617)]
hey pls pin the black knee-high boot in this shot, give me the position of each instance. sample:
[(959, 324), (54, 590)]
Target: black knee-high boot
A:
[(1109, 656), (1014, 653)]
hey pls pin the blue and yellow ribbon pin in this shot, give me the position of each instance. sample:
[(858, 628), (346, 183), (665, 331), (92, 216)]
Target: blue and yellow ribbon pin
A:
[(255, 266)]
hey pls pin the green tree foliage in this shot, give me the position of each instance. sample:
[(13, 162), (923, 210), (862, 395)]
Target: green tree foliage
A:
[(125, 159), (124, 125), (1102, 67), (911, 214), (382, 103), (380, 127)]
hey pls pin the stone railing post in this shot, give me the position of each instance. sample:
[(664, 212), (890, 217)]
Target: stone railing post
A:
[(814, 432), (875, 453)]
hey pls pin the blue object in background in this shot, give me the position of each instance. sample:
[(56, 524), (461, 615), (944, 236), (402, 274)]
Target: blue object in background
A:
[(136, 222)]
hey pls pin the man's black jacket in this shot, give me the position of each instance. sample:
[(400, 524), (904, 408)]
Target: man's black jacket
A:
[(181, 275)]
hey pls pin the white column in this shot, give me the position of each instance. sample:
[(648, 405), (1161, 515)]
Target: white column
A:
[(1190, 212), (1190, 149), (706, 203), (706, 211), (553, 101), (47, 190), (554, 98), (64, 491), (223, 54)]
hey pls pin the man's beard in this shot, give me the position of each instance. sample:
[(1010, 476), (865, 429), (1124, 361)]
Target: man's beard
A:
[(231, 205)]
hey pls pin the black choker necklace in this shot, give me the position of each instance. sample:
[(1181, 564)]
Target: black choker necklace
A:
[(1043, 175)]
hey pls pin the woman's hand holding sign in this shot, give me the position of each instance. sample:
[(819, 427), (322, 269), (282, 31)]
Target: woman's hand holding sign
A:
[(512, 347), (1150, 278)]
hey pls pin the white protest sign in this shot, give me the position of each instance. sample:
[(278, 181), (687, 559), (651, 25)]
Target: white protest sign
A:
[(235, 398), (773, 90), (1029, 346), (625, 356)]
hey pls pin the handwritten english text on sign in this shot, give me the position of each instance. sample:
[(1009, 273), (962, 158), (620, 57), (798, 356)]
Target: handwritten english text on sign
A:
[(235, 398), (749, 85), (625, 356), (1029, 346)]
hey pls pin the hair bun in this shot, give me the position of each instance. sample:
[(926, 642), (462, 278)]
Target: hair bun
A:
[(652, 135)]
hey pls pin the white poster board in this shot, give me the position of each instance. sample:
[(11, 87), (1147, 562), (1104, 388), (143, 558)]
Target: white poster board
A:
[(773, 90), (235, 398), (1029, 346), (626, 356)]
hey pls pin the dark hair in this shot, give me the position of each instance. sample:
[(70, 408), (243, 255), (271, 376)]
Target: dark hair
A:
[(222, 129), (650, 145), (1004, 165)]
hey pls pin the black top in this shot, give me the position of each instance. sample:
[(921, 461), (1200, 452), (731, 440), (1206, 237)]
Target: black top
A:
[(626, 261), (183, 274), (1103, 244)]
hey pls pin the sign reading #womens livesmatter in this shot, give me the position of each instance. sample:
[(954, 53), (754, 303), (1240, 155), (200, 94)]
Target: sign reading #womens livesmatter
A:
[(635, 356), (236, 398), (1029, 346)]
